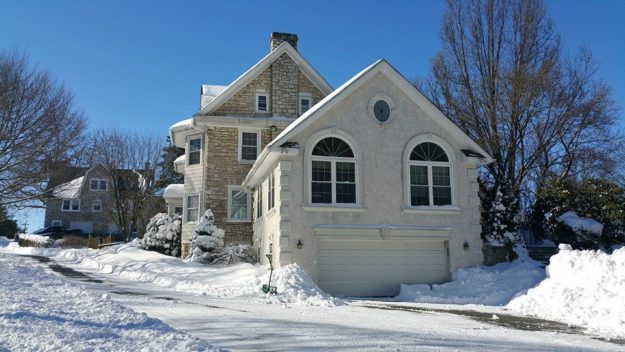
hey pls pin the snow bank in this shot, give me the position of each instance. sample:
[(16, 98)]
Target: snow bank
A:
[(579, 223), (239, 280), (41, 312), (584, 288), (494, 285), (4, 242), (41, 240)]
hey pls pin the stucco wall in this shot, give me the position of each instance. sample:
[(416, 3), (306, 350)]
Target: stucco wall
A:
[(382, 190)]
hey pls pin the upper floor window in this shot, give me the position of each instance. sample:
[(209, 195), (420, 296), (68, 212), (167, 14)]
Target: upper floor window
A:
[(305, 102), (96, 206), (97, 184), (333, 172), (262, 101), (194, 151), (248, 145), (70, 205), (238, 204), (193, 208), (429, 175)]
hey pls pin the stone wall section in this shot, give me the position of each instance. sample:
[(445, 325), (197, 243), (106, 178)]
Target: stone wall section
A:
[(243, 103), (306, 86), (284, 84)]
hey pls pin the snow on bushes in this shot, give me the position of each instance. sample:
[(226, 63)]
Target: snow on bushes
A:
[(163, 234), (584, 288), (208, 247), (489, 285), (580, 232)]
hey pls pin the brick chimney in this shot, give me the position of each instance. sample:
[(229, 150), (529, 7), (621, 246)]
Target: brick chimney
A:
[(278, 38)]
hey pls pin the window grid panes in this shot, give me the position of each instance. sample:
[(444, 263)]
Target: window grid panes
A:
[(321, 181), (304, 105), (70, 205), (238, 204), (97, 206), (333, 172), (261, 102), (419, 189), (345, 182), (193, 205), (195, 147), (430, 176), (249, 145)]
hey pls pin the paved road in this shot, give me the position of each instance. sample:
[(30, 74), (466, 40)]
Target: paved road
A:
[(243, 324)]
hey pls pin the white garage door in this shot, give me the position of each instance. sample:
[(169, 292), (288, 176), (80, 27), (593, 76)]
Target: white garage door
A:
[(85, 226), (377, 267)]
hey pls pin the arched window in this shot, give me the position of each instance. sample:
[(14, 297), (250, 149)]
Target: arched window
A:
[(429, 175), (333, 172)]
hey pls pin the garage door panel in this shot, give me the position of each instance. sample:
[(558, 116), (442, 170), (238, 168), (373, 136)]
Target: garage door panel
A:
[(378, 267)]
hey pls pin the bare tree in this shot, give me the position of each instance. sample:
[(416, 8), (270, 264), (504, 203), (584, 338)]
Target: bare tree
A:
[(501, 76), (131, 161), (40, 131)]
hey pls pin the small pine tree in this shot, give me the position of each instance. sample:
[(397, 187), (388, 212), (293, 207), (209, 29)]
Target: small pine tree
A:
[(8, 226), (499, 216)]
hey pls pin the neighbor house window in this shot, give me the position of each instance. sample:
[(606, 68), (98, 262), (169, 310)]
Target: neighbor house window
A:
[(305, 102), (262, 101), (57, 223), (248, 145), (333, 172), (96, 184), (97, 206), (194, 151), (71, 205), (238, 204), (193, 208), (271, 197), (429, 175), (259, 201)]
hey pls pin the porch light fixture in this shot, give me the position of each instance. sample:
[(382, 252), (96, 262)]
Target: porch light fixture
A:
[(299, 244), (465, 245), (273, 128)]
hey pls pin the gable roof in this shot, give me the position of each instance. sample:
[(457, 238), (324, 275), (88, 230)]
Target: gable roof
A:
[(340, 93), (259, 67)]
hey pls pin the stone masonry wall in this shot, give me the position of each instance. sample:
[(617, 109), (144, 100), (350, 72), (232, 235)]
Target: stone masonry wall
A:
[(222, 170), (243, 103), (284, 85), (306, 86)]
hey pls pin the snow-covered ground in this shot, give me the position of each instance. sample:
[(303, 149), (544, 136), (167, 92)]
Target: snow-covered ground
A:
[(224, 305), (40, 312)]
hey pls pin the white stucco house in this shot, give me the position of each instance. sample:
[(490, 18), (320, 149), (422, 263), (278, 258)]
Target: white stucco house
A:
[(370, 188), (366, 186)]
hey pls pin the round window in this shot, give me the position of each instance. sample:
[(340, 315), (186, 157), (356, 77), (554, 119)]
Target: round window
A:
[(381, 111)]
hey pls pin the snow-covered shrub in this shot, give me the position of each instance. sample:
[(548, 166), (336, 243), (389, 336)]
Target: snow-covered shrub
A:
[(499, 215), (208, 247), (579, 232), (163, 234)]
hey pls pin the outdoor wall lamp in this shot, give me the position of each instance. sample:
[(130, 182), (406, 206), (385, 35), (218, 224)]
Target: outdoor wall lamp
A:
[(299, 244), (273, 128), (465, 245)]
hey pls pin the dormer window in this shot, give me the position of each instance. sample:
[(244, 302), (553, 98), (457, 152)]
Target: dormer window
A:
[(262, 101), (305, 102), (96, 184)]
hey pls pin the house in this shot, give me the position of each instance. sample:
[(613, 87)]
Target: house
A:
[(235, 122), (81, 198), (372, 186)]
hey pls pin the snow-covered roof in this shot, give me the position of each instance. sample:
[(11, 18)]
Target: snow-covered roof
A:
[(581, 223), (68, 190), (259, 67), (212, 90), (179, 164), (174, 191), (179, 130)]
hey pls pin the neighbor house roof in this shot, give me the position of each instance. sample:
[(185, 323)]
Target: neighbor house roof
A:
[(280, 143)]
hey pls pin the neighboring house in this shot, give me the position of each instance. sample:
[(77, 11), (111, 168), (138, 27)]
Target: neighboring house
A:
[(370, 187), (81, 198), (223, 140), (78, 198)]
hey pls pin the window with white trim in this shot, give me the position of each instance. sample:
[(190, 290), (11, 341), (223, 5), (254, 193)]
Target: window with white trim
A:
[(194, 151), (96, 207), (177, 211), (259, 201), (57, 222), (333, 172), (429, 172), (305, 102), (262, 101), (70, 205), (248, 145), (98, 184), (238, 204), (271, 191), (193, 208)]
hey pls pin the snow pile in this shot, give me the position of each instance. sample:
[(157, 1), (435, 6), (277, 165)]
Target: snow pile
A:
[(579, 223), (584, 288), (131, 262), (488, 285), (35, 239), (162, 234), (39, 311), (4, 242)]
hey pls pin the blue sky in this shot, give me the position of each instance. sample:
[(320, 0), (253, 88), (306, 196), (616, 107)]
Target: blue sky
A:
[(139, 64)]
